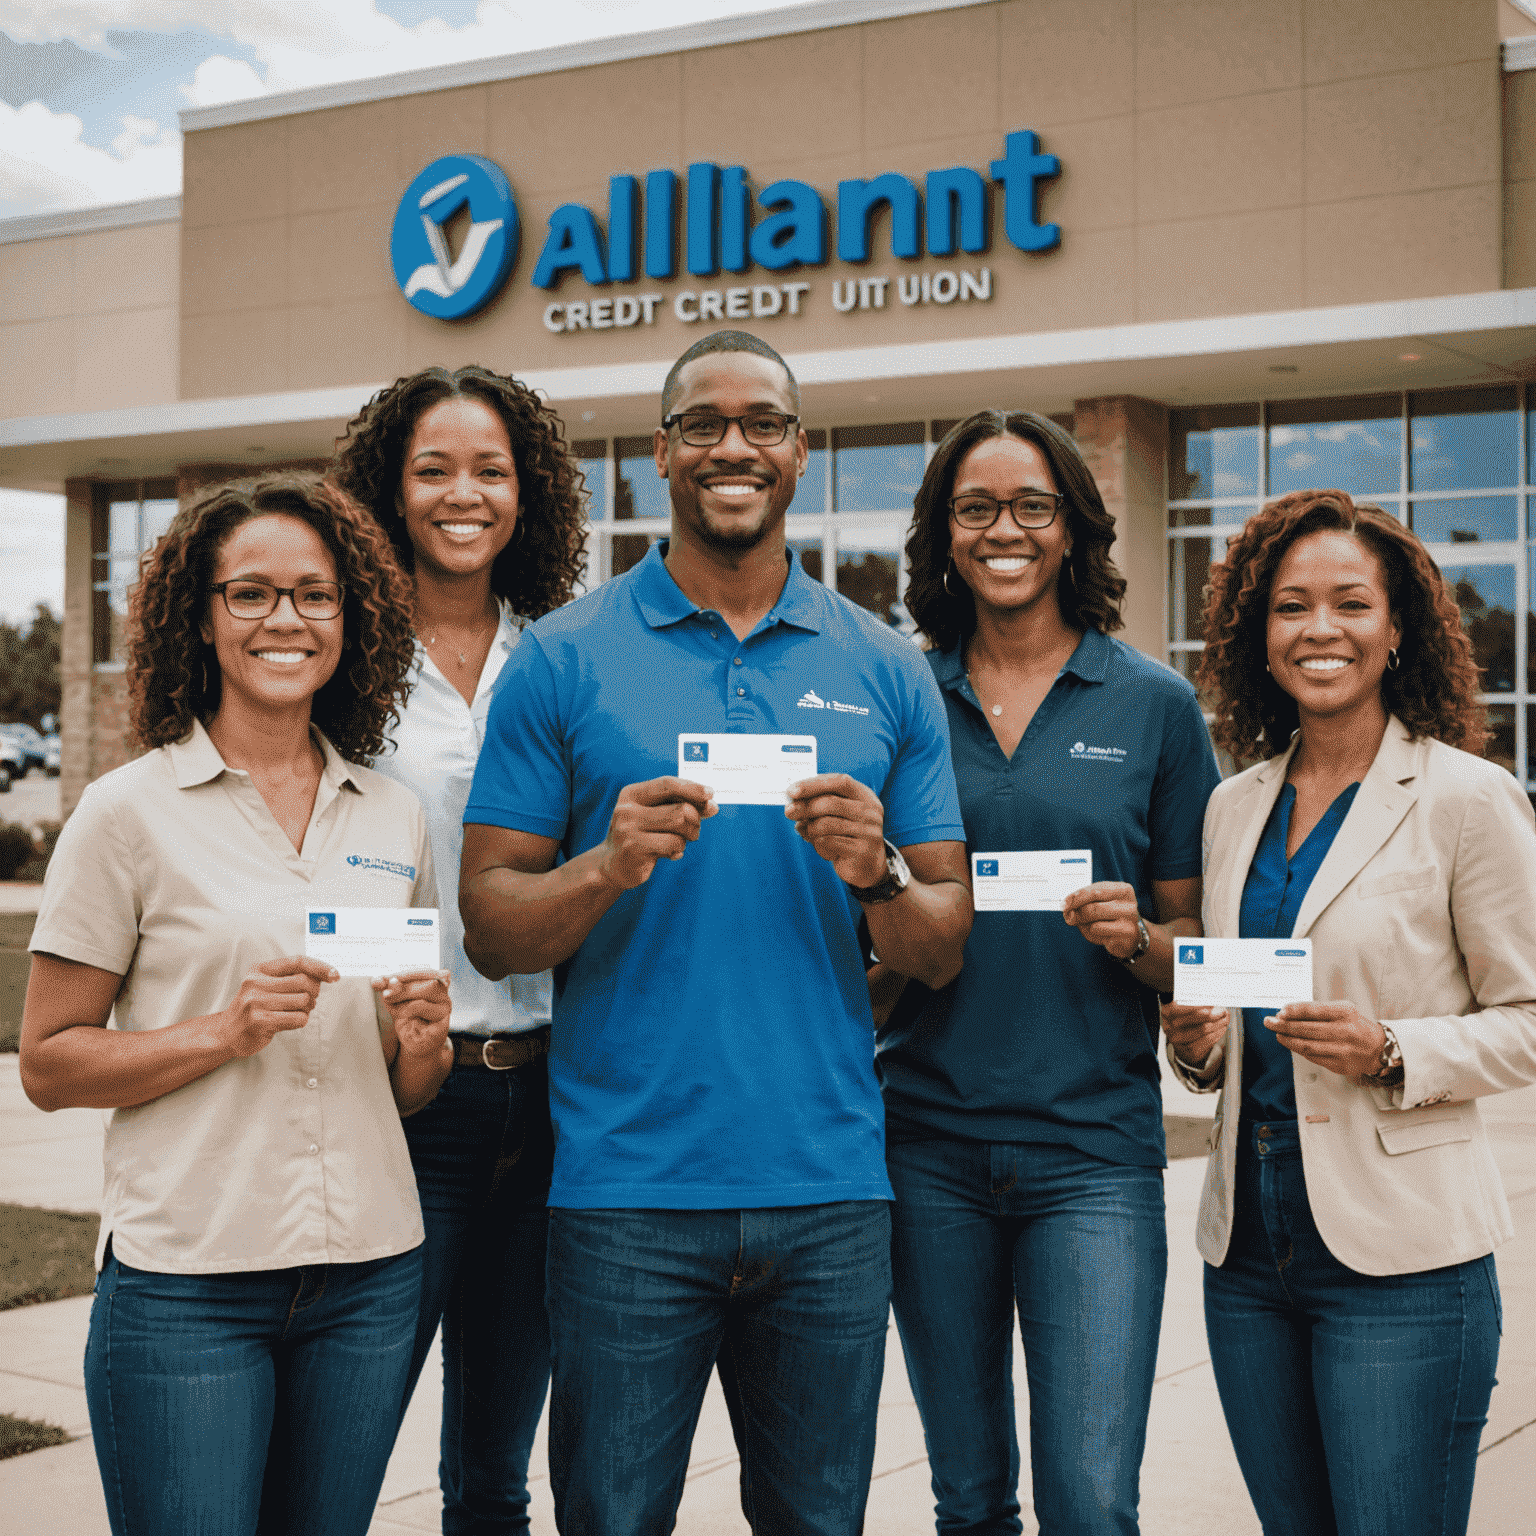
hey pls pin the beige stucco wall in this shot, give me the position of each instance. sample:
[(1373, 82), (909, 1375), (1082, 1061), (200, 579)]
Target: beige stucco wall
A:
[(1220, 156), (90, 321), (1520, 179)]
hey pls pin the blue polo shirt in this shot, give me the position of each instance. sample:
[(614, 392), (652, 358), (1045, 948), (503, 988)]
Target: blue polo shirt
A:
[(712, 1045), (1043, 1037)]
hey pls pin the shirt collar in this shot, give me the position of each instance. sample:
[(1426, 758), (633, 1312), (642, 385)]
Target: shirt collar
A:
[(1090, 661), (663, 603), (195, 760)]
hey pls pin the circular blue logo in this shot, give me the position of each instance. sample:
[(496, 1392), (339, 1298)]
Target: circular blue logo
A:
[(437, 279)]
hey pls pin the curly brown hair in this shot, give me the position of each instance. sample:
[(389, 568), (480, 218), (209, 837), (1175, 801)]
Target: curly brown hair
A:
[(1433, 690), (1089, 588), (173, 674), (537, 571)]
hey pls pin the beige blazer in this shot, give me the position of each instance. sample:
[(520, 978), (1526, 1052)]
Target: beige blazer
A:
[(1423, 915)]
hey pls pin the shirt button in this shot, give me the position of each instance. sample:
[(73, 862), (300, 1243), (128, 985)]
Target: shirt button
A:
[(741, 693), (314, 1082), (738, 661), (313, 1149), (714, 634)]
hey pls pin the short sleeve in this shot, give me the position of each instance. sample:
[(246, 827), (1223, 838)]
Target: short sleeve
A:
[(922, 804), (92, 900), (1186, 776), (522, 780)]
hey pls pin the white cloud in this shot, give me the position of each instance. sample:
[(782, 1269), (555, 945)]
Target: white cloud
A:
[(45, 164), (31, 554), (219, 79)]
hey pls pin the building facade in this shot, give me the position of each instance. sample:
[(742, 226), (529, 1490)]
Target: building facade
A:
[(1237, 246)]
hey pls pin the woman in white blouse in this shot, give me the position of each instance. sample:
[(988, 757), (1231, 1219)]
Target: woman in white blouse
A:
[(468, 474), (260, 1237)]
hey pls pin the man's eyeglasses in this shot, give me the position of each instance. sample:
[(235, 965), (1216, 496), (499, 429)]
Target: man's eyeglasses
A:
[(256, 599), (1031, 510), (703, 429)]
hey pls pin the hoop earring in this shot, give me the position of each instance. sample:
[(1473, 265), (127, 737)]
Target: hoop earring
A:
[(947, 565), (1393, 660)]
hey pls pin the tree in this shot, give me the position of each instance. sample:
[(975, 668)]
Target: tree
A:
[(29, 669)]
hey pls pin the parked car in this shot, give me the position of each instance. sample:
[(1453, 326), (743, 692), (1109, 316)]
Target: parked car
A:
[(52, 758), (30, 742), (13, 763)]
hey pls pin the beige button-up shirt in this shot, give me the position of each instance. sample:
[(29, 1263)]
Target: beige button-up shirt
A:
[(173, 874)]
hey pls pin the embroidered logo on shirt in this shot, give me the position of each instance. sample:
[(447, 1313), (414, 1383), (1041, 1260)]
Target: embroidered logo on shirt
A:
[(1086, 754), (809, 701), (374, 866)]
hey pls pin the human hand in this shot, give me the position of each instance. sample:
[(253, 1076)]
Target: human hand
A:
[(1193, 1031), (654, 820), (420, 1008), (844, 821), (1335, 1036), (277, 995), (1105, 913)]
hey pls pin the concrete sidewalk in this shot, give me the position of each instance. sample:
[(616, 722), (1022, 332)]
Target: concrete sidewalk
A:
[(1190, 1482)]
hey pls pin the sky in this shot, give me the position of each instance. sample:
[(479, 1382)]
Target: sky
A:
[(90, 91)]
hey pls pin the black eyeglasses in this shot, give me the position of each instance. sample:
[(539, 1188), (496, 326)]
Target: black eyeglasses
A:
[(1031, 510), (703, 429), (256, 599)]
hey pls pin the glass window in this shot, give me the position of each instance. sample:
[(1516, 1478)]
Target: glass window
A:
[(869, 572), (1500, 747), (1464, 438), (1189, 573), (1353, 445), (629, 550), (811, 496), (1465, 520), (126, 521), (808, 552), (1530, 743), (638, 491), (878, 469), (1486, 596), (1215, 452), (591, 456)]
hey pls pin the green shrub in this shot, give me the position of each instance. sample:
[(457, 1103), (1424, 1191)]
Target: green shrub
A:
[(16, 849)]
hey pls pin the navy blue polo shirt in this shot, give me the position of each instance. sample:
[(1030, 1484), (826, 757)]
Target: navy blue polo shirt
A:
[(712, 1043), (1043, 1037)]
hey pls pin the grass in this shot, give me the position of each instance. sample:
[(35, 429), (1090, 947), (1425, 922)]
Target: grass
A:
[(18, 1436), (45, 1255)]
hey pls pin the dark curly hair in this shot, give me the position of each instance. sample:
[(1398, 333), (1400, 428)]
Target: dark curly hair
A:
[(1090, 586), (536, 572), (1433, 690), (173, 674)]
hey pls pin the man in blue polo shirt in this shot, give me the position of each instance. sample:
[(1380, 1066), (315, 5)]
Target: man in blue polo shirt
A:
[(719, 1185)]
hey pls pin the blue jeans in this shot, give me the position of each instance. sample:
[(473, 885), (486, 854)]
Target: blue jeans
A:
[(1082, 1246), (482, 1151), (1355, 1402), (263, 1401), (795, 1299)]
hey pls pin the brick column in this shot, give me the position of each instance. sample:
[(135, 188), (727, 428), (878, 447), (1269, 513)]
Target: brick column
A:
[(75, 712), (1125, 441)]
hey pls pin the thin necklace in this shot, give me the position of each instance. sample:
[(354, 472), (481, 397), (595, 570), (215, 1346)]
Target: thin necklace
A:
[(463, 657)]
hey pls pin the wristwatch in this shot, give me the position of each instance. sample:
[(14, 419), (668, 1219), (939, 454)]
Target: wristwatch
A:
[(897, 878), (1389, 1071), (1143, 943)]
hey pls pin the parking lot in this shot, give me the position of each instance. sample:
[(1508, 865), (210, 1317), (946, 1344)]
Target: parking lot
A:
[(31, 800)]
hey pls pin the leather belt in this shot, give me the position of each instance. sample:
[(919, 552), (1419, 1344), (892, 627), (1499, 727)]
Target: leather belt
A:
[(501, 1053)]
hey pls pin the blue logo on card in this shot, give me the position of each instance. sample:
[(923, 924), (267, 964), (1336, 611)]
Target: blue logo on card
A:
[(985, 867), (418, 922), (794, 746), (1292, 954), (322, 922), (1191, 954), (695, 751)]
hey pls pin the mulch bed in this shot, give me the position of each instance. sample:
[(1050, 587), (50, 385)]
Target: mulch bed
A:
[(45, 1255), (18, 1436)]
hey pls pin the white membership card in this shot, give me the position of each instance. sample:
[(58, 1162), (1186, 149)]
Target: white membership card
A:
[(1242, 973), (373, 941), (1029, 880), (746, 770)]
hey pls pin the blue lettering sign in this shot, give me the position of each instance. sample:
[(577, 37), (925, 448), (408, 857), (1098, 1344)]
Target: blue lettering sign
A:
[(796, 233), (623, 194), (957, 196), (856, 200), (1021, 170), (435, 279), (574, 241), (660, 219)]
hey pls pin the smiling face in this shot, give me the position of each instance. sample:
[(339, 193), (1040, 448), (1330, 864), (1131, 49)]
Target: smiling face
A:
[(458, 487), (282, 660), (1006, 567), (731, 496), (1330, 625)]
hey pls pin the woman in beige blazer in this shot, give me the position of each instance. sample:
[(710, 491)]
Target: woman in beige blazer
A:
[(1351, 1203)]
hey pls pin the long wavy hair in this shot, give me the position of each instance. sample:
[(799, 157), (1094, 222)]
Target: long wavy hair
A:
[(539, 568), (1433, 689), (173, 674), (1090, 587)]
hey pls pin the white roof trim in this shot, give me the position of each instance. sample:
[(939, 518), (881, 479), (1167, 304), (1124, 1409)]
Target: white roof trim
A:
[(80, 221), (1520, 52), (1506, 309), (814, 17)]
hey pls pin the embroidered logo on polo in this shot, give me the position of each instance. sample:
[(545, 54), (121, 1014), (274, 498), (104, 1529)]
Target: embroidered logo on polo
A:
[(372, 866), (1081, 753), (809, 700)]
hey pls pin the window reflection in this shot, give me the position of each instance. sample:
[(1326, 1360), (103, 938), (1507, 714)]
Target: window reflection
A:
[(1500, 747), (1464, 438), (638, 490), (811, 495), (868, 572), (1465, 520), (1486, 596), (126, 520), (808, 553), (1189, 573), (629, 550), (1353, 445), (591, 456), (1215, 452), (878, 469)]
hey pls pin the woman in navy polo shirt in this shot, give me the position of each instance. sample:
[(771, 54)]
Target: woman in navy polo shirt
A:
[(1023, 1101)]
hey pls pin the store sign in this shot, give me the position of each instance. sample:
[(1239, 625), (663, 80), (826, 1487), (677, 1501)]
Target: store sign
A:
[(726, 227)]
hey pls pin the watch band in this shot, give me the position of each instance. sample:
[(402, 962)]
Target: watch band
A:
[(1389, 1071), (1143, 943), (897, 878)]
